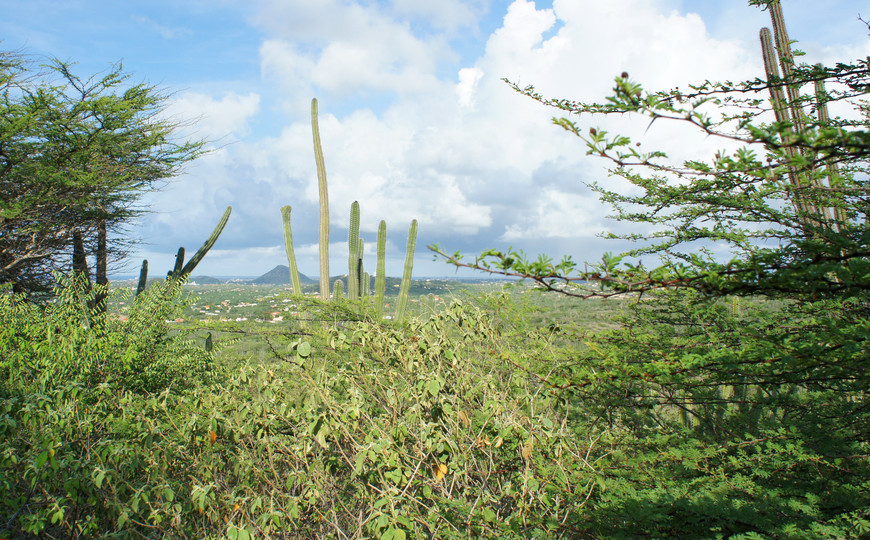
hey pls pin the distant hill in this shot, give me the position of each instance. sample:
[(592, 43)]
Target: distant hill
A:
[(279, 275)]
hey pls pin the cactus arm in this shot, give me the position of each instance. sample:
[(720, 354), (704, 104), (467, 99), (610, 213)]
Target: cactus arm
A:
[(337, 291), (380, 279), (324, 204), (179, 263), (288, 247), (353, 252), (780, 106), (771, 69), (364, 290), (200, 253), (143, 278), (402, 302)]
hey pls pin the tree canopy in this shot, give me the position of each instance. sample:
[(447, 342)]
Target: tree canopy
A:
[(76, 156)]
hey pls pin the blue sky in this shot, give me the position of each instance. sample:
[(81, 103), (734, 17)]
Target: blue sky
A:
[(414, 118)]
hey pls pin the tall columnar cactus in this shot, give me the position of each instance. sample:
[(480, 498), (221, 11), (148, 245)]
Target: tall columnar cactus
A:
[(381, 278), (402, 302), (364, 287), (80, 261), (143, 278), (324, 204), (291, 255), (355, 243), (353, 252), (337, 291), (786, 102)]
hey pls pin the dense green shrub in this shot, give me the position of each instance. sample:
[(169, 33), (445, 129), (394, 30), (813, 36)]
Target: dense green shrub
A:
[(427, 429), (47, 345), (746, 417), (470, 422)]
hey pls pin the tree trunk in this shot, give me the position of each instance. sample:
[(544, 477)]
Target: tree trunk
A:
[(102, 278), (79, 260)]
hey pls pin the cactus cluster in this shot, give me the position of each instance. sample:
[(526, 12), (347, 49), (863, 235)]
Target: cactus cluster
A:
[(358, 280), (814, 212), (181, 270)]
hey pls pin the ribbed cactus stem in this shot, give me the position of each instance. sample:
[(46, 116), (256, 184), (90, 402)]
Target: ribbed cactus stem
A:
[(381, 278), (366, 281), (780, 95), (210, 241), (143, 278), (288, 247), (786, 61), (360, 271), (179, 263), (774, 79), (353, 252), (402, 302), (324, 204), (80, 260), (337, 291), (835, 213)]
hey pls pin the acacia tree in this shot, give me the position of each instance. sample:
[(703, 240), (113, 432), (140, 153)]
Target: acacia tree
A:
[(76, 155), (742, 384)]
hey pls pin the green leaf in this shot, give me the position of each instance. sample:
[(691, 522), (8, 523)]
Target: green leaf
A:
[(42, 459), (98, 481)]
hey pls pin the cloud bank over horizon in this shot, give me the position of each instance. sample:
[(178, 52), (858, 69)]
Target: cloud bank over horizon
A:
[(416, 121)]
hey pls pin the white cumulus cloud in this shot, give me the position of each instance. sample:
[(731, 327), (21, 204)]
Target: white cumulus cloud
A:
[(473, 161), (214, 119)]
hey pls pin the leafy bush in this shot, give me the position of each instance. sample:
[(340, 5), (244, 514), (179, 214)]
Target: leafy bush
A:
[(743, 418), (421, 430), (471, 422), (48, 345)]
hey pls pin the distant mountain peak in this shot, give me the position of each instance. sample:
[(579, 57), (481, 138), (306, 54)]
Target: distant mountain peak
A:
[(280, 275)]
